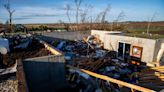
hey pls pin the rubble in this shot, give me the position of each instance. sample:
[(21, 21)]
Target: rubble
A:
[(24, 44), (82, 82), (8, 70), (21, 47), (87, 54), (152, 78), (80, 46), (97, 58)]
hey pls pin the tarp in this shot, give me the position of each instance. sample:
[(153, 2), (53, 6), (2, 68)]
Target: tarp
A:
[(24, 44), (8, 70), (4, 46)]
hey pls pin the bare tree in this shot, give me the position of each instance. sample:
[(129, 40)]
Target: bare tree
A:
[(91, 23), (10, 11), (85, 13), (68, 8), (150, 21), (60, 21), (77, 4), (63, 24), (101, 17), (120, 16), (91, 16), (83, 17), (105, 13), (98, 17)]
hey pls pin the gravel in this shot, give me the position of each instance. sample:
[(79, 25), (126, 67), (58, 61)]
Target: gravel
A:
[(10, 85)]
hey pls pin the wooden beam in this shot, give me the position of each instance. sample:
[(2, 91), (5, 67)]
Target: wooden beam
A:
[(112, 80), (88, 43), (52, 49), (117, 81)]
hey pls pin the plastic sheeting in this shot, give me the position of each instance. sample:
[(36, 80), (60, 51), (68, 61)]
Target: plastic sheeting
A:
[(4, 46), (24, 44), (8, 70)]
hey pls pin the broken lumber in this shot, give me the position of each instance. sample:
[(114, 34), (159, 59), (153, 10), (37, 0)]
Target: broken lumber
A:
[(51, 49), (112, 80)]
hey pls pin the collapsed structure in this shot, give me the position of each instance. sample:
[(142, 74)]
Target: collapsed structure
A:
[(102, 62), (146, 50)]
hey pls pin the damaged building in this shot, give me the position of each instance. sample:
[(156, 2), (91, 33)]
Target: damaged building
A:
[(149, 50), (103, 61)]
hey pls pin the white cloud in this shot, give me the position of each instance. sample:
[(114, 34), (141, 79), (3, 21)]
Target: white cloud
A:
[(38, 11), (36, 14)]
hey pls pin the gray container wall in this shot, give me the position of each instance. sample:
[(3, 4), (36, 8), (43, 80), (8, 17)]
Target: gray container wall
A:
[(45, 74), (77, 35)]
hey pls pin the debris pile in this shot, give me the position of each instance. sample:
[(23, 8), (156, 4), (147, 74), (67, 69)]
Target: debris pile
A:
[(93, 41), (113, 68), (21, 47), (152, 78), (71, 47), (80, 81), (89, 54), (90, 47)]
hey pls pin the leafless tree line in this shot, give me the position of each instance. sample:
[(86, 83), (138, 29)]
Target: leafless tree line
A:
[(85, 16)]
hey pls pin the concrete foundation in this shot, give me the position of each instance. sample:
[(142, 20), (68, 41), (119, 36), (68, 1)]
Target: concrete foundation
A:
[(75, 35)]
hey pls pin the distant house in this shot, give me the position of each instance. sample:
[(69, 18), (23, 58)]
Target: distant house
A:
[(148, 49), (20, 28)]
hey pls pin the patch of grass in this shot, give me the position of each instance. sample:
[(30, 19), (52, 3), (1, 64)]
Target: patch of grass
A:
[(153, 30), (152, 36)]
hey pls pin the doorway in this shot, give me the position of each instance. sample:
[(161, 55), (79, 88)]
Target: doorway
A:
[(124, 50)]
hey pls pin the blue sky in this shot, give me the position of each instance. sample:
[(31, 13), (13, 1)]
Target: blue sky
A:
[(51, 11)]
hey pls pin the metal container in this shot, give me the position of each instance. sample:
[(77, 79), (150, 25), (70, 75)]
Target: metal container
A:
[(45, 74)]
